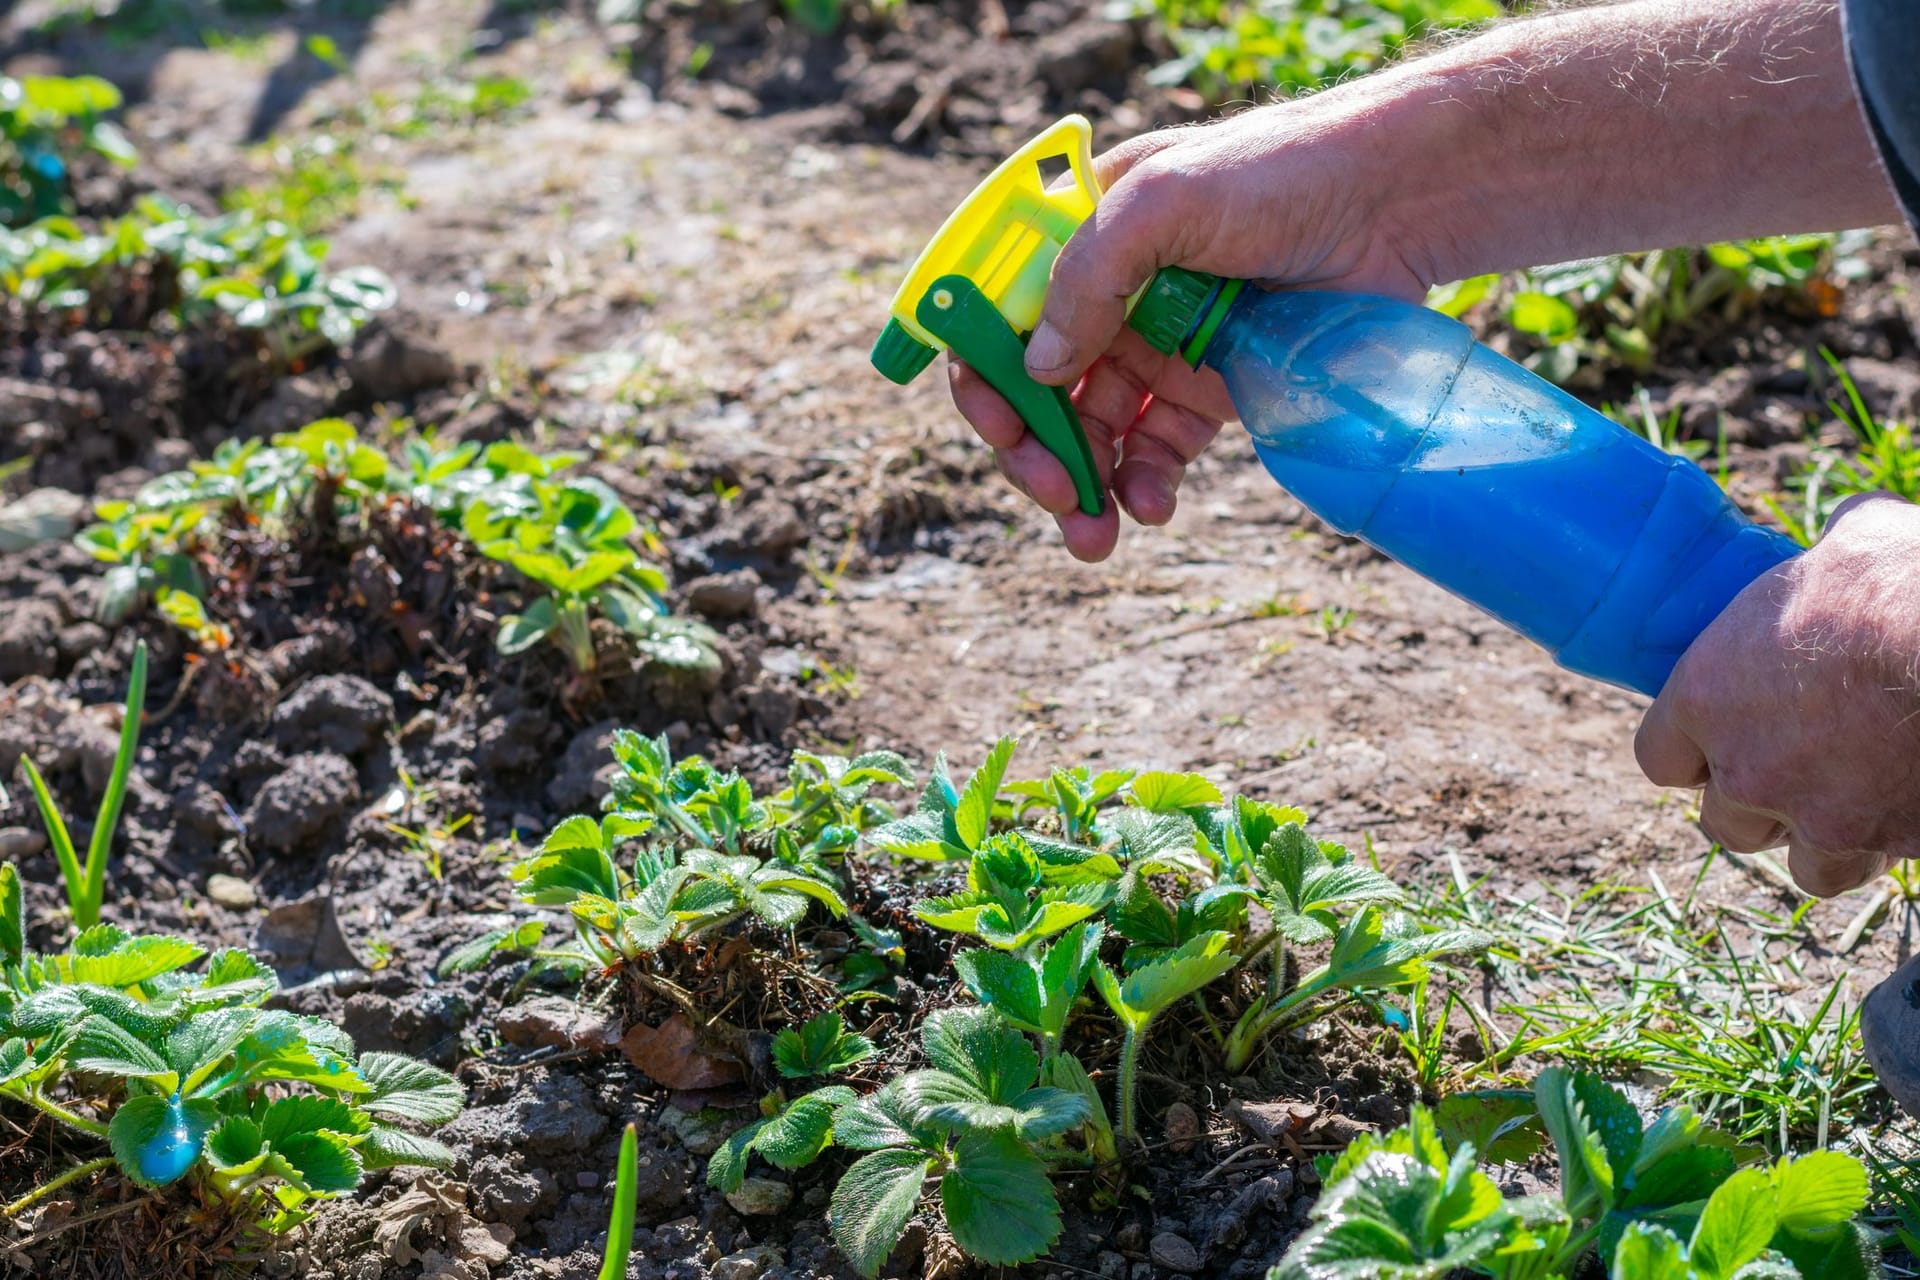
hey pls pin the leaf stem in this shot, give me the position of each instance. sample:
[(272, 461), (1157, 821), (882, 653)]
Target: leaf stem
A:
[(1129, 1081), (45, 1189), (60, 1113)]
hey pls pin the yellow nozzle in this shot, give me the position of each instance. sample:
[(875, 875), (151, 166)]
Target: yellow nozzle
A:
[(1005, 236)]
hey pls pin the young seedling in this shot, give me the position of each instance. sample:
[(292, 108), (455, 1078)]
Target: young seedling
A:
[(822, 1046), (626, 1195), (87, 884), (788, 1135), (1140, 997), (1035, 990), (949, 823)]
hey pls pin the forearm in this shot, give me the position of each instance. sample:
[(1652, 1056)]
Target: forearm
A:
[(1620, 127)]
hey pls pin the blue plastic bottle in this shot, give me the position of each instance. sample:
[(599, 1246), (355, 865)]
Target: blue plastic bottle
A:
[(1392, 424)]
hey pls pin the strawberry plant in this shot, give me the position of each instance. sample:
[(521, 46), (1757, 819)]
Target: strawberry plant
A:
[(788, 1135), (46, 123), (189, 1076), (1665, 1201), (572, 538), (1141, 996)]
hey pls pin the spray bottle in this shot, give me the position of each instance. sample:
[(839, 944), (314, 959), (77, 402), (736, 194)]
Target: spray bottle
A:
[(1385, 418)]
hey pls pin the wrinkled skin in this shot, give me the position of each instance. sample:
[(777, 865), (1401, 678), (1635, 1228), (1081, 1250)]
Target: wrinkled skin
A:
[(1798, 709)]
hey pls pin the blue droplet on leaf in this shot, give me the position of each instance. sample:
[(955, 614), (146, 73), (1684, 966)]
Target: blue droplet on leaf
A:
[(1396, 1019), (173, 1148)]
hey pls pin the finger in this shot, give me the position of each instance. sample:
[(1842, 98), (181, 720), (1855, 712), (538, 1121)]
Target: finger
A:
[(985, 409), (1852, 505), (1666, 754), (1824, 874), (1112, 165), (1154, 457), (1737, 828), (1139, 226), (1038, 474), (1090, 538)]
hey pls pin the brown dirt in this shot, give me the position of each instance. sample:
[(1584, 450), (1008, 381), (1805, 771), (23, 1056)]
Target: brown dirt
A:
[(686, 280)]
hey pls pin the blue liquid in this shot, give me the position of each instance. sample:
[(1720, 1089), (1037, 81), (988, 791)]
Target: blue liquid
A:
[(1393, 425), (171, 1152)]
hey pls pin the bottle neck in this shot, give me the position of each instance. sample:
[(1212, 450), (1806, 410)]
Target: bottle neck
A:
[(1207, 327), (1180, 311)]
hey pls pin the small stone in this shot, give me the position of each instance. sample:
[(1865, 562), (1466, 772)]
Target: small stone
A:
[(554, 1022), (1183, 1127), (1112, 1266), (763, 1197), (748, 1264), (20, 843), (587, 1179), (231, 892), (701, 1132), (725, 596), (1175, 1253)]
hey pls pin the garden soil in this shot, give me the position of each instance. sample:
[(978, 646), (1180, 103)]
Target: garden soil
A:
[(684, 278)]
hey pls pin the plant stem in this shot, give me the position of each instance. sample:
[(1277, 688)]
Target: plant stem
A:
[(1129, 1081), (103, 827), (52, 1185), (60, 1113)]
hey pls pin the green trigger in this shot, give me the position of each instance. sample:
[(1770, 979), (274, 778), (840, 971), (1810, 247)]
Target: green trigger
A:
[(955, 311)]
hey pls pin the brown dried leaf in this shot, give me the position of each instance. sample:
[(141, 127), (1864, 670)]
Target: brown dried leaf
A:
[(1271, 1122), (671, 1056)]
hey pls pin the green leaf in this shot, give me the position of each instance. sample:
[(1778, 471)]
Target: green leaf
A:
[(1684, 1176), (470, 957), (1543, 317), (803, 1129), (157, 1139), (978, 1047), (388, 1146), (519, 632), (998, 1200), (1735, 1227), (884, 1118), (1501, 1125), (1614, 1119), (232, 978), (727, 1167), (237, 1143), (1140, 915), (206, 1039), (101, 1045), (872, 1203), (1818, 1190), (1174, 792), (1006, 983), (1153, 987), (409, 1089), (1649, 1252), (820, 1047), (1586, 1174), (974, 814), (626, 1195), (324, 1162)]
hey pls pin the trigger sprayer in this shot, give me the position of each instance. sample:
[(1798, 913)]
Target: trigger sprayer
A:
[(1385, 418)]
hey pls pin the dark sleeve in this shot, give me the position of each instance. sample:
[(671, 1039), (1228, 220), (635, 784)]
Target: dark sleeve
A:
[(1883, 47)]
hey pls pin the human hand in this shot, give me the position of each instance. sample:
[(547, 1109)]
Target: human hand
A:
[(1798, 709), (1281, 196)]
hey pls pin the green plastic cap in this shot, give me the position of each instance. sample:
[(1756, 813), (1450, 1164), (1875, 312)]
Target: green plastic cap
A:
[(899, 356), (1171, 309)]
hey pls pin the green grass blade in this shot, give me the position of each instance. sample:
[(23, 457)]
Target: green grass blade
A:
[(57, 836), (626, 1191), (96, 882)]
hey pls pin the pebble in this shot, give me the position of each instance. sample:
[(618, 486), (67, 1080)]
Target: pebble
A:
[(1175, 1253), (232, 892), (1183, 1127), (20, 843), (763, 1197), (554, 1022), (701, 1132), (748, 1264)]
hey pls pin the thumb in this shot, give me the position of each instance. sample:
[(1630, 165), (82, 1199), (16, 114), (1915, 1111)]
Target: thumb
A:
[(1136, 229)]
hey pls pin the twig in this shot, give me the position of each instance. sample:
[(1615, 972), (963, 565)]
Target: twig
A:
[(1235, 1160)]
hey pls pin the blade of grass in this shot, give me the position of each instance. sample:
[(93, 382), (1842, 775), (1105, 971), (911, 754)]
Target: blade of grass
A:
[(57, 836), (626, 1191), (96, 881)]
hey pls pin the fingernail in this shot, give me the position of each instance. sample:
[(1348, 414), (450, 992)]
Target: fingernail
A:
[(1047, 351)]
